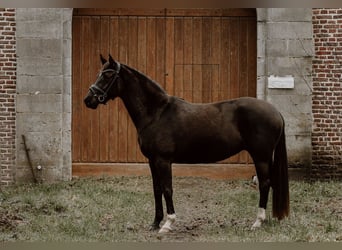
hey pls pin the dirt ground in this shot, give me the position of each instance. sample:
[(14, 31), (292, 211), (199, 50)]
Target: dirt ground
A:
[(121, 209), (201, 207)]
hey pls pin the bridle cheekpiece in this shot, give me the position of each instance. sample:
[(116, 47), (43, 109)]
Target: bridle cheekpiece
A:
[(95, 90)]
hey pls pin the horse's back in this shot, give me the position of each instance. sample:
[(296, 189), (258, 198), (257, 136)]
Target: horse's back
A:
[(230, 117)]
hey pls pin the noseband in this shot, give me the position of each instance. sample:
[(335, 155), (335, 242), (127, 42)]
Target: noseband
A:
[(94, 89)]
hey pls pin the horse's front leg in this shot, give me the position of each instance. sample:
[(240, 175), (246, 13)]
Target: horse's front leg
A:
[(157, 191), (165, 174)]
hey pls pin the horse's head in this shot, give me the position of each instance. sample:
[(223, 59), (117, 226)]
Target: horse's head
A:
[(106, 85)]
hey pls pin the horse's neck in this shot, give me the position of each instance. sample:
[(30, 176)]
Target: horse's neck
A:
[(142, 97)]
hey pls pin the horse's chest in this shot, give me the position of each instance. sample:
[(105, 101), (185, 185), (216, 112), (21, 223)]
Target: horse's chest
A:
[(156, 144), (144, 146)]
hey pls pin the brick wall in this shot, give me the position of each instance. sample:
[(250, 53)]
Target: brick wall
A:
[(327, 94), (7, 94)]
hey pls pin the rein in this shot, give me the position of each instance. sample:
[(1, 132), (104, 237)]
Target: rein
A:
[(104, 93)]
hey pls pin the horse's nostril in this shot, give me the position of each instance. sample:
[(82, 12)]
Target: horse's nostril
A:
[(90, 102), (87, 101)]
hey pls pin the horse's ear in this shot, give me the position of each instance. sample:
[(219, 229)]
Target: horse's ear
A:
[(111, 60), (103, 60)]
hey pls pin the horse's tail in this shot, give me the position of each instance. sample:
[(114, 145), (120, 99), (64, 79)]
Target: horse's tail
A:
[(280, 181)]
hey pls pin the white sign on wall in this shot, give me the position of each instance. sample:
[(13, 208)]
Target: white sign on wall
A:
[(280, 82)]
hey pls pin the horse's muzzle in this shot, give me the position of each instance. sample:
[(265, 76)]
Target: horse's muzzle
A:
[(91, 102)]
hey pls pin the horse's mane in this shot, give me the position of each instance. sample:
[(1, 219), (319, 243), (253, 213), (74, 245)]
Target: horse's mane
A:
[(144, 79)]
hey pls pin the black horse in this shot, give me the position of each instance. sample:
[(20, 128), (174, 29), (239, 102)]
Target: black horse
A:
[(172, 130)]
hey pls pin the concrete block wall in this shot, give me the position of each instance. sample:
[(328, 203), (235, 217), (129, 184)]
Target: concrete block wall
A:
[(7, 94), (44, 93), (327, 94), (285, 47)]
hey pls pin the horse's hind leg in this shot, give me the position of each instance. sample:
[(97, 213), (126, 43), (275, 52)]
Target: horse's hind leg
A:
[(263, 173)]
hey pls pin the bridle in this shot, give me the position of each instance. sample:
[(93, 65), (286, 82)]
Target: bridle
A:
[(94, 89)]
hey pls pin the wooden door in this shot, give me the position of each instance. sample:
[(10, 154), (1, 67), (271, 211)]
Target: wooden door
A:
[(199, 55)]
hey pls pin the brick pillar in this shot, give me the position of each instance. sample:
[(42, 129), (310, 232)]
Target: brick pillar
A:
[(327, 94), (7, 95)]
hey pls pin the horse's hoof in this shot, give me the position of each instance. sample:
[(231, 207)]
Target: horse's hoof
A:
[(165, 230), (261, 216), (256, 225), (154, 227)]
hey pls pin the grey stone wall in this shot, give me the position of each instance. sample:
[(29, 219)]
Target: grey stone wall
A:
[(285, 47), (44, 93)]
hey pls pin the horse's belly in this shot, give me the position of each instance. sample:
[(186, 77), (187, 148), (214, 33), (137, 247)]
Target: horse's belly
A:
[(206, 152)]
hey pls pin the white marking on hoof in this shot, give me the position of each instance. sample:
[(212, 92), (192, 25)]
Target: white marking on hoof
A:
[(166, 228), (255, 180), (261, 216)]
